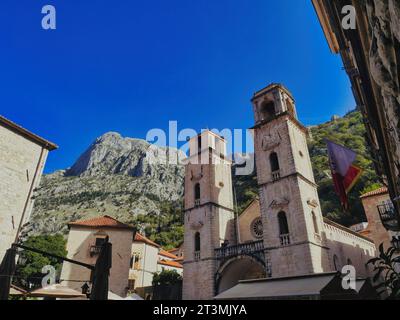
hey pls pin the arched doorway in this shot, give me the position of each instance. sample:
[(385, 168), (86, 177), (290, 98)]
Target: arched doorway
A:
[(236, 269)]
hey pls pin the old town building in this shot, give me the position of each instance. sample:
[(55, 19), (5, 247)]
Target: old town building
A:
[(85, 240), (22, 159)]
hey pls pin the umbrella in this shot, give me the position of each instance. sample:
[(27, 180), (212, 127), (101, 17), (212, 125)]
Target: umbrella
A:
[(7, 269), (101, 273), (56, 291)]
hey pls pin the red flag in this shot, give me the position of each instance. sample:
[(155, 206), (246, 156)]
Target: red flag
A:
[(344, 173), (353, 174)]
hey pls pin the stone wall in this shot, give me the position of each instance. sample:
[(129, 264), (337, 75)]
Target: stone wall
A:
[(20, 158), (349, 248)]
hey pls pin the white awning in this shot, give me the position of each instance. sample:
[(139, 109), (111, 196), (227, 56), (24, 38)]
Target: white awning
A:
[(279, 288)]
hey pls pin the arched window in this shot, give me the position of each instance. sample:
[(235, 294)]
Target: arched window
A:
[(315, 222), (197, 193), (273, 160), (335, 262), (283, 224), (197, 242), (267, 111)]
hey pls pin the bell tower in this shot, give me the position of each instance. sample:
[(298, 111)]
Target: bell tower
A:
[(209, 213), (290, 207)]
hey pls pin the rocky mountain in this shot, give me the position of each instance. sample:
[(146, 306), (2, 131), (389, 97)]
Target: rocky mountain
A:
[(122, 177)]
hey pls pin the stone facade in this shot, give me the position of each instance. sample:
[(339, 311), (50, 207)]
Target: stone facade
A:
[(289, 189), (250, 217), (296, 239), (22, 159)]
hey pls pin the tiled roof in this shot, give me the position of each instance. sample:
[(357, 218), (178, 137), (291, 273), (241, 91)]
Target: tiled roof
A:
[(167, 254), (376, 192), (101, 222), (27, 134), (141, 238), (170, 263)]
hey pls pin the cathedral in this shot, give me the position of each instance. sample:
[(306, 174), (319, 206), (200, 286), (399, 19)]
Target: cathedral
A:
[(282, 233)]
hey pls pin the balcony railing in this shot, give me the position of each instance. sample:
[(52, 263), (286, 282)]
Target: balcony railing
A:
[(197, 255), (276, 175), (197, 202), (241, 249), (94, 250), (388, 215), (285, 239)]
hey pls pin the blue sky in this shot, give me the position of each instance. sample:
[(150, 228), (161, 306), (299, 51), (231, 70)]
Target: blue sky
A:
[(130, 66)]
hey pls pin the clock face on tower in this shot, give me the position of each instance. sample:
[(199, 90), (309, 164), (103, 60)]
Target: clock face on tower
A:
[(256, 228)]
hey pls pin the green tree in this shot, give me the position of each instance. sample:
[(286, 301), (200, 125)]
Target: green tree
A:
[(164, 228), (166, 278), (30, 271)]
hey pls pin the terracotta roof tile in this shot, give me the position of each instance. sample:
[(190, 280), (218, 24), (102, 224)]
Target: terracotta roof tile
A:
[(376, 192), (167, 254), (101, 222), (141, 238), (170, 263)]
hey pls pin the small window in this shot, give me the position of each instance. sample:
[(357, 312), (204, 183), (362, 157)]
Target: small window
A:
[(283, 224), (273, 159), (197, 242), (197, 192), (315, 223), (131, 285), (135, 261)]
